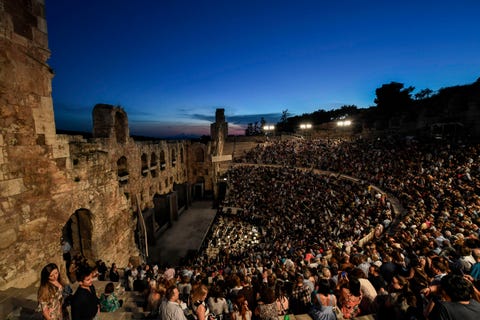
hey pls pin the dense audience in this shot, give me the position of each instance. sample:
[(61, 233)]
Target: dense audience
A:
[(334, 229)]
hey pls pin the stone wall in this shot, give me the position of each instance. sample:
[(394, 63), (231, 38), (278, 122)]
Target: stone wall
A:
[(50, 183)]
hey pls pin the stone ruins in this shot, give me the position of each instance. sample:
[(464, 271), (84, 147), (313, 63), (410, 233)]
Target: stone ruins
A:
[(109, 195)]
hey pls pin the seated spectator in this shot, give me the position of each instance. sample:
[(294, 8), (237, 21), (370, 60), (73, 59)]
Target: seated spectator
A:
[(114, 275), (240, 309), (108, 300), (217, 303), (300, 300), (457, 302), (267, 306)]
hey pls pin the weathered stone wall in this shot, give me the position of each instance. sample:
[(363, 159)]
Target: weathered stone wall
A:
[(46, 178), (29, 175)]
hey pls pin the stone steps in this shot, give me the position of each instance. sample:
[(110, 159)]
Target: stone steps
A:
[(18, 303), (21, 304)]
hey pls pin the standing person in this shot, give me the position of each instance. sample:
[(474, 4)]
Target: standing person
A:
[(241, 310), (85, 303), (301, 298), (217, 302), (50, 296), (170, 308), (199, 306), (67, 257), (267, 306)]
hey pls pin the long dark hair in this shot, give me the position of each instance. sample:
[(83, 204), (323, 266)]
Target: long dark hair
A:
[(47, 290), (45, 274)]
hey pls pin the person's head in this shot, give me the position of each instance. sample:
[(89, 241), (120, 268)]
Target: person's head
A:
[(324, 286), (172, 293), (49, 274), (267, 295), (299, 280), (199, 293), (84, 276), (240, 300), (354, 287), (438, 266), (109, 288), (326, 273), (476, 254), (374, 270), (399, 283), (456, 288)]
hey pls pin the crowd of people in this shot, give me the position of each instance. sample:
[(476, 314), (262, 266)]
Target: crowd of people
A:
[(295, 242)]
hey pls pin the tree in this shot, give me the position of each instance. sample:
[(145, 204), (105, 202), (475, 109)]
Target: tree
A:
[(393, 97), (284, 117), (423, 94), (262, 124)]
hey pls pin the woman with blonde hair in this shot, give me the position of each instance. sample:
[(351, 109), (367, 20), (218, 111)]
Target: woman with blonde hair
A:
[(50, 294), (198, 304)]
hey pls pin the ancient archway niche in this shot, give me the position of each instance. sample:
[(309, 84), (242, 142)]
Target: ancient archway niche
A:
[(78, 231), (174, 158), (144, 165), (110, 122), (122, 170), (163, 163), (153, 164)]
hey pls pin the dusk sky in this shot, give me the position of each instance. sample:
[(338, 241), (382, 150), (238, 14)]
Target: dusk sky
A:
[(171, 63)]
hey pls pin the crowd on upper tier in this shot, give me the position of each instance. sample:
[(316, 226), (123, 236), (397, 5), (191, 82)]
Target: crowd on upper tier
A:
[(294, 240)]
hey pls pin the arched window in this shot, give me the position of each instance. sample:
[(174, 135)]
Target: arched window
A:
[(144, 165), (122, 170), (153, 164), (78, 232), (163, 163), (174, 158)]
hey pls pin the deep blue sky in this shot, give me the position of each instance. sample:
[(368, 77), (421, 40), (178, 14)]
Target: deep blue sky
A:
[(171, 63)]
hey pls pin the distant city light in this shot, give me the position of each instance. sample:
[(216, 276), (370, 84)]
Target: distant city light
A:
[(306, 126), (344, 123)]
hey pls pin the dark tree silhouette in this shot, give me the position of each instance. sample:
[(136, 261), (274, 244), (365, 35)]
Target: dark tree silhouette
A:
[(423, 94), (393, 97)]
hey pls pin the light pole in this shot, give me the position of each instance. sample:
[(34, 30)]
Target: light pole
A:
[(343, 125), (306, 127), (268, 129)]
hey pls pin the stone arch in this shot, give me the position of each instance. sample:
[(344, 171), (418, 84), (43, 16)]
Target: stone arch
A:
[(122, 170), (163, 162), (153, 164), (174, 157), (144, 165), (78, 232)]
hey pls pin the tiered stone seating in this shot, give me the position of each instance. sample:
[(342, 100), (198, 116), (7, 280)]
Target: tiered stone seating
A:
[(19, 304), (132, 307)]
